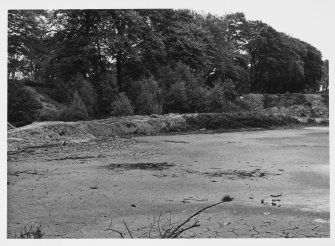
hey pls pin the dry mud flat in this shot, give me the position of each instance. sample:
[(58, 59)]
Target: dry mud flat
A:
[(279, 180)]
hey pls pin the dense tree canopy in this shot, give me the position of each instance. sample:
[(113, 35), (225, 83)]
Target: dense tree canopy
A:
[(156, 61)]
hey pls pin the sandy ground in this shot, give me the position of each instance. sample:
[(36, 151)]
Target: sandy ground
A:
[(279, 180)]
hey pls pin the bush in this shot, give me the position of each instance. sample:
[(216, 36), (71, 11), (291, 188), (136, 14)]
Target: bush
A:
[(254, 101), (61, 91), (31, 233), (198, 99), (108, 93), (229, 91), (22, 105), (148, 99), (226, 121), (122, 106), (175, 100), (76, 111), (217, 101), (87, 93)]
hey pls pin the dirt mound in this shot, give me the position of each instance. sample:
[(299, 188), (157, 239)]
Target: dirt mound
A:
[(51, 133), (265, 111)]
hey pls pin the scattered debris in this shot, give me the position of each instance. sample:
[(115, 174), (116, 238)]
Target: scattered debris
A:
[(266, 213), (141, 166), (277, 195), (240, 174), (186, 200)]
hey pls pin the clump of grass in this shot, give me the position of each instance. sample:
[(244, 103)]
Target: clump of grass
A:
[(227, 198), (31, 233)]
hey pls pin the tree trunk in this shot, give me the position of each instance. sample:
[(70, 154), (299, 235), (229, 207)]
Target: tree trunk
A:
[(119, 70)]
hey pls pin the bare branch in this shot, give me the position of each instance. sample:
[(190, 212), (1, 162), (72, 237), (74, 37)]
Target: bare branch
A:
[(125, 224), (110, 229), (189, 218), (187, 228)]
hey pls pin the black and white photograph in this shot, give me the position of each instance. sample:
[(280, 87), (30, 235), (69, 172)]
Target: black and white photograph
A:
[(179, 120)]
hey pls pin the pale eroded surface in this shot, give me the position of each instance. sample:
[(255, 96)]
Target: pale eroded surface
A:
[(71, 192)]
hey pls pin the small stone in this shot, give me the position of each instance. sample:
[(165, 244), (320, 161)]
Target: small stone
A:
[(266, 213)]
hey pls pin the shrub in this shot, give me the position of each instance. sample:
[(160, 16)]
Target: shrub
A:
[(61, 91), (198, 99), (175, 100), (122, 106), (76, 111), (87, 93), (228, 89), (225, 121), (217, 101), (254, 101), (22, 105), (108, 93), (31, 233), (148, 97)]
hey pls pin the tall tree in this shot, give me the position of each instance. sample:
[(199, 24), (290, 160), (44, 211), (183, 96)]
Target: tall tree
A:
[(26, 30)]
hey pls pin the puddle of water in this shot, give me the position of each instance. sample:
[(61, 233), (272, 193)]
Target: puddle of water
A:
[(141, 166)]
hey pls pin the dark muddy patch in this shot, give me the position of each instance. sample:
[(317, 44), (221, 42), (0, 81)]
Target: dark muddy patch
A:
[(240, 174), (141, 166), (75, 158), (32, 172), (173, 141)]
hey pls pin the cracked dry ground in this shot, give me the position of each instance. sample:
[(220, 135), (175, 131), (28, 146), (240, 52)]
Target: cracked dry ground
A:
[(279, 180)]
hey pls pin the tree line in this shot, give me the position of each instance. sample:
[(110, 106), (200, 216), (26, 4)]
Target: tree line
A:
[(147, 61)]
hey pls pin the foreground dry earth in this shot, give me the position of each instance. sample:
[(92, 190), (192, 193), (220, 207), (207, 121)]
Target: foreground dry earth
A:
[(279, 180)]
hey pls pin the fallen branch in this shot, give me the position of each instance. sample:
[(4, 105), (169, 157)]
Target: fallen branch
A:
[(173, 231), (110, 229), (125, 224), (178, 230)]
